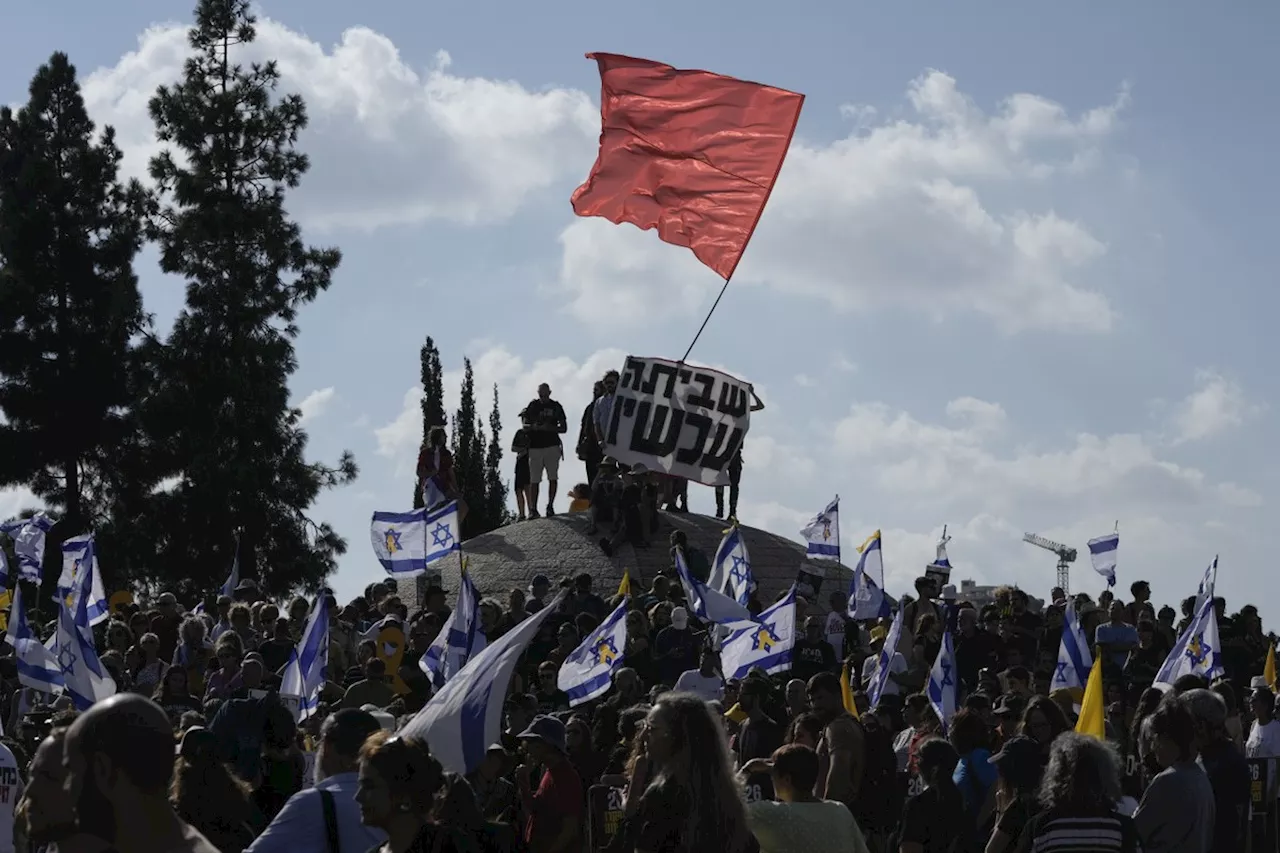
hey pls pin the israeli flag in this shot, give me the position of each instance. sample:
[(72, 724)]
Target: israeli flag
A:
[(1074, 658), (80, 555), (407, 542), (731, 570), (941, 560), (4, 566), (880, 676), (941, 688), (459, 639), (588, 672), (766, 643), (28, 544), (432, 494), (1198, 651), (304, 674), (707, 604), (233, 579), (37, 665), (83, 675), (822, 533), (1207, 583), (866, 599), (1102, 552), (464, 718)]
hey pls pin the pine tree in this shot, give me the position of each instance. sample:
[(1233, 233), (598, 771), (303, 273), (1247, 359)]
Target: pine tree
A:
[(495, 488), (221, 417), (433, 415), (69, 302), (468, 455)]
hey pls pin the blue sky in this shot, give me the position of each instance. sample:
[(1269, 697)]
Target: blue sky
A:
[(1014, 275)]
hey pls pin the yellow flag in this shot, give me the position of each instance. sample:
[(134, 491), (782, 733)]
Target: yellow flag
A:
[(1269, 670), (1093, 707), (846, 691), (624, 588)]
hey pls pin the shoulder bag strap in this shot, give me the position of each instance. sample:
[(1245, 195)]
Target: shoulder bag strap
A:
[(330, 821)]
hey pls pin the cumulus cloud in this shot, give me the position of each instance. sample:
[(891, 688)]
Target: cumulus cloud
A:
[(13, 501), (388, 144), (901, 211), (1217, 405), (316, 403)]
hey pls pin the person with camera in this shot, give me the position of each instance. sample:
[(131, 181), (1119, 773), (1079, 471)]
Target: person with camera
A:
[(545, 422)]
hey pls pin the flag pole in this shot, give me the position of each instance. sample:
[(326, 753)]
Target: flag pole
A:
[(707, 318)]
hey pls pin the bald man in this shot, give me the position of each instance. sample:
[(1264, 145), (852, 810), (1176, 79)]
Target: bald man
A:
[(118, 758)]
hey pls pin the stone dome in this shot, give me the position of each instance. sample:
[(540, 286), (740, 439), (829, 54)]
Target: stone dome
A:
[(560, 547)]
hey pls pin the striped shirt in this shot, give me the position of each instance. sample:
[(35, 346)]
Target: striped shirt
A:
[(1060, 831)]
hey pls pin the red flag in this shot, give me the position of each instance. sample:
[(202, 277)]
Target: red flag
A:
[(690, 153)]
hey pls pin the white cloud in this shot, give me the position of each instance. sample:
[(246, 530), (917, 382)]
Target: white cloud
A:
[(388, 144), (1217, 405), (895, 213), (316, 403), (14, 501)]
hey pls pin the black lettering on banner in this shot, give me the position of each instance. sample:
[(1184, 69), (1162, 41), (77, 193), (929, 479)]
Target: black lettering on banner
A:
[(659, 371), (632, 373), (733, 400), (702, 395), (652, 440), (717, 461)]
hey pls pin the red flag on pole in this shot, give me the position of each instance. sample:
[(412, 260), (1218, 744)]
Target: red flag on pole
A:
[(690, 153)]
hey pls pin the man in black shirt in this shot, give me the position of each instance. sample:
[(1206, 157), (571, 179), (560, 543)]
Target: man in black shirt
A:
[(544, 420), (759, 736), (813, 654)]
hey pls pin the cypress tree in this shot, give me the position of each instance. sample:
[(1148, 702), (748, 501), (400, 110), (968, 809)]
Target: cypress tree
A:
[(220, 417), (69, 304), (468, 455), (495, 489), (433, 415)]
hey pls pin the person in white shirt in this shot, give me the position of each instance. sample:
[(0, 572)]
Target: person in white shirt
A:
[(1264, 734), (835, 627), (897, 667), (705, 682), (315, 816), (10, 791)]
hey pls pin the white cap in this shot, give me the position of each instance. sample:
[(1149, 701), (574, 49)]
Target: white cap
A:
[(384, 719), (1259, 681), (679, 618)]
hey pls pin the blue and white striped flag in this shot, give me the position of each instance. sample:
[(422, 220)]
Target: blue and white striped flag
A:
[(464, 718), (1074, 658), (83, 675), (706, 603), (4, 567), (1207, 583), (37, 665), (407, 542), (942, 689), (77, 557), (866, 599), (233, 579), (304, 674), (1102, 553), (941, 560), (731, 569), (459, 639), (1198, 651), (822, 533), (766, 643), (28, 543), (588, 671), (884, 663)]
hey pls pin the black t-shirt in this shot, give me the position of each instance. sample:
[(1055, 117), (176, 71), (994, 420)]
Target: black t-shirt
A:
[(1015, 819), (810, 658), (935, 819), (758, 739), (546, 417), (973, 654), (552, 703)]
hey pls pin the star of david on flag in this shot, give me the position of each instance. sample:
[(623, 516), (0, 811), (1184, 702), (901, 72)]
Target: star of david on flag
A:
[(587, 673), (822, 533), (941, 688), (767, 642), (1074, 658), (731, 568), (406, 543), (1198, 651)]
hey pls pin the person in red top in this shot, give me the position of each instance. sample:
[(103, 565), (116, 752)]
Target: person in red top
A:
[(556, 809), (435, 465)]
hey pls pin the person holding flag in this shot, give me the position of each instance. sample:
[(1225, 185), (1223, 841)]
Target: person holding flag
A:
[(587, 673)]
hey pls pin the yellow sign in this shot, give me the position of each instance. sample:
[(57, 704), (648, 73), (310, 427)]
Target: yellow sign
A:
[(391, 651), (120, 600), (6, 601)]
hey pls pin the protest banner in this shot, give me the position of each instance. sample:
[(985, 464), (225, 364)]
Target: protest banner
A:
[(678, 419)]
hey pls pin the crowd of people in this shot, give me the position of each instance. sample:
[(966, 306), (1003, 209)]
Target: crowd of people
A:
[(198, 751)]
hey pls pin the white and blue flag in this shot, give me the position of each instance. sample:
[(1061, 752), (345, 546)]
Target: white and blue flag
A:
[(1102, 553), (1074, 658), (822, 533), (233, 579), (588, 671), (459, 640), (79, 554), (941, 688), (84, 677), (1207, 583), (731, 569), (706, 603), (432, 494), (37, 665), (1198, 651), (28, 543), (407, 542), (4, 566), (940, 559), (884, 663), (304, 674), (866, 599), (766, 643), (464, 718)]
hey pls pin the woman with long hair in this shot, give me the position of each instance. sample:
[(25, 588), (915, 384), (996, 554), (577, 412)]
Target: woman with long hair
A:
[(1042, 721), (399, 779), (173, 695), (1018, 772), (975, 776), (691, 798), (223, 684), (934, 820), (1078, 796), (207, 795)]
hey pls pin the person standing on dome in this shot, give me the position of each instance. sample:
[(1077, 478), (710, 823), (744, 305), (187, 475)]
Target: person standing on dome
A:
[(545, 421), (436, 480)]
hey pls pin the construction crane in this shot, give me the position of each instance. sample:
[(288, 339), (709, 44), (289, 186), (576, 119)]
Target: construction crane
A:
[(1066, 556)]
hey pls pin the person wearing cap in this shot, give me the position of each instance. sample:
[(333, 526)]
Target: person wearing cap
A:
[(1008, 711), (1264, 734), (758, 737), (1018, 772), (327, 817), (675, 649), (495, 795), (556, 809)]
